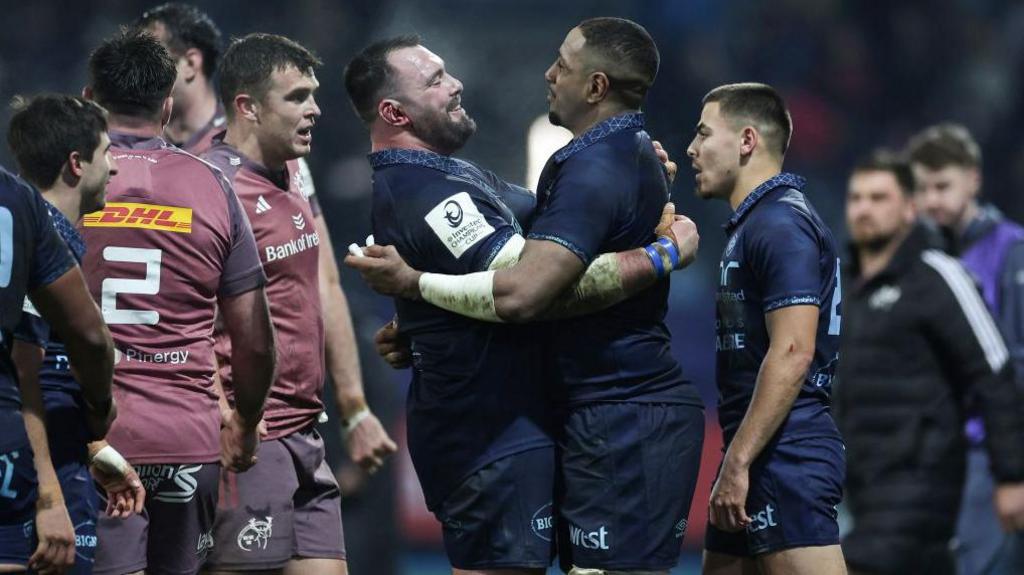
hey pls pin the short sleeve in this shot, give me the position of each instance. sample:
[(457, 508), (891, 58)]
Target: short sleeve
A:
[(242, 269), (785, 258), (582, 206), (32, 328), (51, 258)]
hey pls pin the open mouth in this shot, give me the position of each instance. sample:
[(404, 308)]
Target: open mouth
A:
[(305, 134)]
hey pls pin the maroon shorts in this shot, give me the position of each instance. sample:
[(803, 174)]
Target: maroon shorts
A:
[(173, 534), (288, 505)]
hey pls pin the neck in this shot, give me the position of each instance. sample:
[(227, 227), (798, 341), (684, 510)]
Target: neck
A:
[(134, 126), (385, 137), (240, 136), (194, 112), (873, 261), (755, 173), (596, 115), (67, 200)]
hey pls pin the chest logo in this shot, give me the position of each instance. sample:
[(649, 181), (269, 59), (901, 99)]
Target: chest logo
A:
[(453, 213), (299, 221), (458, 223), (884, 298), (262, 205)]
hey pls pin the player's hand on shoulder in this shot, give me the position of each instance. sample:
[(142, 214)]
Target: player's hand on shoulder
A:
[(393, 347), (1009, 503), (55, 551), (386, 272), (369, 444), (239, 442), (682, 231), (670, 167)]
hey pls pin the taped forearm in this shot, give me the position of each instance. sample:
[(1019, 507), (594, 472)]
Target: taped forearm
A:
[(470, 295)]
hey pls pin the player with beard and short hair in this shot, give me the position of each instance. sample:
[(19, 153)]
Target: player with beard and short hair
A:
[(171, 249), (62, 146), (285, 512), (778, 320), (481, 403)]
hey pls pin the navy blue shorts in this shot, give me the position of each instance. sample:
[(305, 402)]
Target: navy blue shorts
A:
[(18, 492), (83, 503), (501, 515), (627, 476), (794, 490)]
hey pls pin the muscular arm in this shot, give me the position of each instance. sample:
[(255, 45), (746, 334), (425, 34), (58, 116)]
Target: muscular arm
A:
[(791, 332), (253, 356), (68, 307)]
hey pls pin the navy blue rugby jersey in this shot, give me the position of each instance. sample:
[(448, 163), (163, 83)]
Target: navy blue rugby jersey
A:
[(604, 192), (32, 255), (779, 254), (478, 391)]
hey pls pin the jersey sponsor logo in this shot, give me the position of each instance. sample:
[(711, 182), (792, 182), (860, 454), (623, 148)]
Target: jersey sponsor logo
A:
[(299, 221), (85, 540), (142, 216), (256, 534), (291, 247), (262, 205), (762, 520), (458, 223), (205, 543), (884, 298), (597, 539), (170, 483), (542, 522), (130, 354)]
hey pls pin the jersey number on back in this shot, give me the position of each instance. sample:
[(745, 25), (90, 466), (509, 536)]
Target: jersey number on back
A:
[(6, 246), (149, 285)]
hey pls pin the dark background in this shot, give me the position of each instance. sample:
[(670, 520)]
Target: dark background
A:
[(855, 75)]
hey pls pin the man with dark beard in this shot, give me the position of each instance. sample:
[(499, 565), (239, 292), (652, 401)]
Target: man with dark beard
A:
[(917, 341), (478, 413)]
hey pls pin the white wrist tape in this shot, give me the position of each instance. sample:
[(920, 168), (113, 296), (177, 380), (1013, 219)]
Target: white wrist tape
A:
[(110, 460), (470, 295), (351, 423)]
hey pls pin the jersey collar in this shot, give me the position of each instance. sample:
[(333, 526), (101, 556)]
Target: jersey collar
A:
[(133, 142), (425, 158), (67, 232), (783, 180), (599, 132)]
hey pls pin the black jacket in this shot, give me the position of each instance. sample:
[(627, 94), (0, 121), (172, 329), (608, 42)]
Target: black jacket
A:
[(915, 339)]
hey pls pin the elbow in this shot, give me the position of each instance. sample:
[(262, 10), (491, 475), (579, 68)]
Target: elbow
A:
[(519, 307), (802, 358), (96, 341)]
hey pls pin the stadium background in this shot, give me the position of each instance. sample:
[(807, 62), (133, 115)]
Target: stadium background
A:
[(855, 75)]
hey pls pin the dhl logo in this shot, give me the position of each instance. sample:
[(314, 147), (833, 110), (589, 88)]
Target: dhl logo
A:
[(146, 216)]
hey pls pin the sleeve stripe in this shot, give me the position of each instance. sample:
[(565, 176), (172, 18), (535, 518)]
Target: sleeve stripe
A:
[(970, 302)]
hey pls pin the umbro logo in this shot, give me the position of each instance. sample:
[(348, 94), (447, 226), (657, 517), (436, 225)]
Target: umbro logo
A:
[(235, 161), (262, 205), (299, 221)]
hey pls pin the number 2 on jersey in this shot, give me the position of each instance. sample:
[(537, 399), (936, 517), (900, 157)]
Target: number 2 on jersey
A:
[(149, 285)]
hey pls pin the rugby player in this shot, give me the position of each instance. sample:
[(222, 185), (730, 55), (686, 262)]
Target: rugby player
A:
[(34, 261), (172, 247), (285, 512), (628, 481), (778, 320), (62, 147)]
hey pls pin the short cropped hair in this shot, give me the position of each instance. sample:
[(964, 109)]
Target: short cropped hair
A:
[(759, 104), (886, 160), (627, 55), (942, 145), (131, 74), (44, 130), (369, 77), (250, 61), (187, 27)]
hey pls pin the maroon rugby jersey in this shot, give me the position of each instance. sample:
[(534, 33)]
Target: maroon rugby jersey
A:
[(282, 215), (171, 238)]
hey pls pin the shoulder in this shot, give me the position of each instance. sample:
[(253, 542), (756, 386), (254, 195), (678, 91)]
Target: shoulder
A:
[(222, 160)]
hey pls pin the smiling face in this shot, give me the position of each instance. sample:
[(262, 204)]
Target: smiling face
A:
[(568, 78), (715, 153), (287, 113), (431, 99)]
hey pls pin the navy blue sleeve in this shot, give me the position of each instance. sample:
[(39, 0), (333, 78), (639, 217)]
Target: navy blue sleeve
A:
[(31, 328), (584, 205), (784, 255), (453, 227), (51, 258)]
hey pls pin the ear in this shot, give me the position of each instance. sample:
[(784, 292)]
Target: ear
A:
[(749, 140), (74, 164), (597, 89), (165, 111), (392, 113), (193, 64), (246, 107)]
